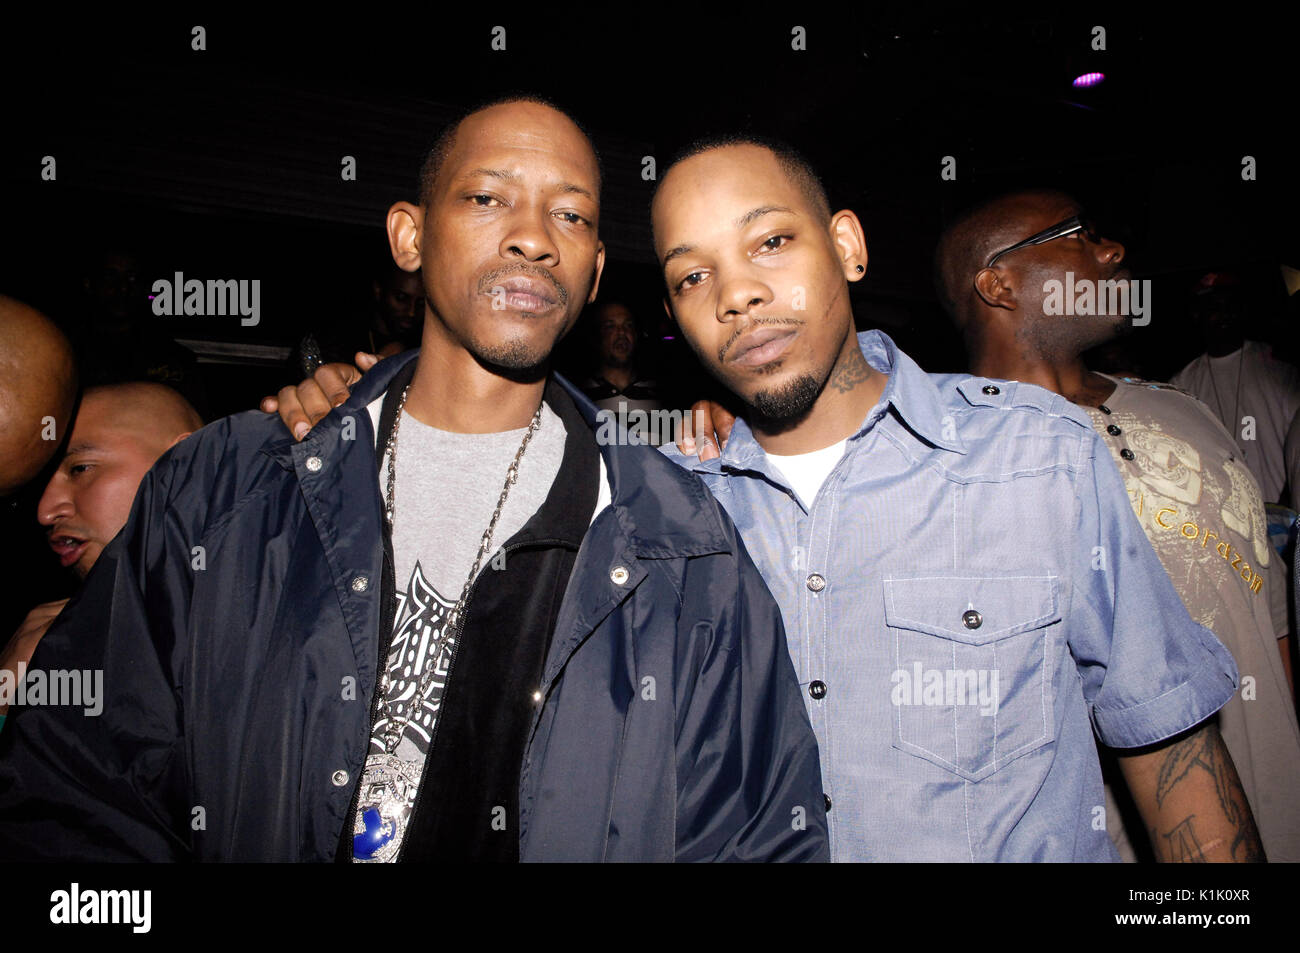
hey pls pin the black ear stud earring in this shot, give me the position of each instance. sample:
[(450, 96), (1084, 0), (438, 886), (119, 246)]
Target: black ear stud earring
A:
[(861, 269)]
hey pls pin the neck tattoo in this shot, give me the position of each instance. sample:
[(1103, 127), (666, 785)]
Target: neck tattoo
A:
[(850, 373)]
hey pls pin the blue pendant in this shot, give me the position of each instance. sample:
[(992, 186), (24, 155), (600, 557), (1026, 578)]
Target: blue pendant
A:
[(377, 834)]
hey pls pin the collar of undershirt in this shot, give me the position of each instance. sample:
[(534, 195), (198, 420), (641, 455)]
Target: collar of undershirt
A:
[(564, 516)]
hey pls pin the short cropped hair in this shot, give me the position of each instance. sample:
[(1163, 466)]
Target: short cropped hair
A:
[(442, 146), (792, 162)]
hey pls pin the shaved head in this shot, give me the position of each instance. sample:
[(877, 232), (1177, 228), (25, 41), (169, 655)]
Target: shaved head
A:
[(153, 414), (38, 386), (1009, 313), (973, 237)]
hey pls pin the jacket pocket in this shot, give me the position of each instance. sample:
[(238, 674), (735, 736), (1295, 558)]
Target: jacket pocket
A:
[(973, 663)]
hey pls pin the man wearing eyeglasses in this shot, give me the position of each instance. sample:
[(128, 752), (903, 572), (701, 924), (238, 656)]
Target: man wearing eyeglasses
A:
[(1193, 495)]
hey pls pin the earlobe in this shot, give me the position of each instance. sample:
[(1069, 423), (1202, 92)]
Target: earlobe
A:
[(404, 223)]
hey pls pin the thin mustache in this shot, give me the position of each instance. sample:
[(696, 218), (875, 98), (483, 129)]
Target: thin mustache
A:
[(486, 283), (755, 322)]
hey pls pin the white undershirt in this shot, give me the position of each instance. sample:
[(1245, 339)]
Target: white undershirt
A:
[(808, 471)]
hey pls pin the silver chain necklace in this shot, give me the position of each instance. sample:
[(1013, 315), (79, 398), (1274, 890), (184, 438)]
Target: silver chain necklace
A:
[(397, 726)]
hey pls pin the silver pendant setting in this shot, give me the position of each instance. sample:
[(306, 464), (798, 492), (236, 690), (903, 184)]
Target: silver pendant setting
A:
[(388, 785)]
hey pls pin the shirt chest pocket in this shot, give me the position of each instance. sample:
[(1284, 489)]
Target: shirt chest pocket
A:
[(971, 688)]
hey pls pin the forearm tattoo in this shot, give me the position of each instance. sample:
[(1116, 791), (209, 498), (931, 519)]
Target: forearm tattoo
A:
[(1204, 751)]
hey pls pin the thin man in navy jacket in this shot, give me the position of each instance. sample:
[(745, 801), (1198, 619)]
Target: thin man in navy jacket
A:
[(236, 604)]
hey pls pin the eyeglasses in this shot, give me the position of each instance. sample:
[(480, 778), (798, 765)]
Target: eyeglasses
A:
[(1073, 224)]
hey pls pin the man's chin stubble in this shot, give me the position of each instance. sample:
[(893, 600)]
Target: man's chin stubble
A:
[(514, 360), (784, 406)]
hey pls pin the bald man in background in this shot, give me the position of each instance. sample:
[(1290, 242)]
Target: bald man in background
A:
[(1180, 466), (38, 389), (120, 431)]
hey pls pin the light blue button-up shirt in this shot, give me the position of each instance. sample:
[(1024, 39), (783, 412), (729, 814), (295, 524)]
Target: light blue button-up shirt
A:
[(967, 598)]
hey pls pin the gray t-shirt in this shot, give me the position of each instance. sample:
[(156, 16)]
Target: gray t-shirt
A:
[(447, 487), (1202, 511)]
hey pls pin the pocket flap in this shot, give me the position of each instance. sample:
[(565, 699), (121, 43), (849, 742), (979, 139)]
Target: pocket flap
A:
[(937, 604)]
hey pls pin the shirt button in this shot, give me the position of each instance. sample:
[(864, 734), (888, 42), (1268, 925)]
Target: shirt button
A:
[(816, 582), (1126, 453), (618, 575), (1113, 430), (360, 584), (313, 464), (972, 619), (991, 390), (339, 778), (1104, 409), (827, 799), (817, 689)]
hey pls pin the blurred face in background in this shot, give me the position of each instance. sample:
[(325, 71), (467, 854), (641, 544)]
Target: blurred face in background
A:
[(400, 300), (617, 330)]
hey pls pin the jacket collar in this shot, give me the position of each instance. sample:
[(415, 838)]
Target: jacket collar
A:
[(664, 512), (910, 392), (371, 385)]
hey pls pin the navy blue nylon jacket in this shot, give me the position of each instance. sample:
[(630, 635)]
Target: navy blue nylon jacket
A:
[(239, 651)]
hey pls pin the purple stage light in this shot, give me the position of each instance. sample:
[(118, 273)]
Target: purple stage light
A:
[(1088, 79)]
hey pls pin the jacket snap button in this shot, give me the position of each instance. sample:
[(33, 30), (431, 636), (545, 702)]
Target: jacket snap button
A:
[(1103, 408), (618, 575), (991, 390), (1126, 453), (827, 798), (1113, 430), (816, 582), (313, 464), (972, 619), (360, 584), (817, 689), (339, 778)]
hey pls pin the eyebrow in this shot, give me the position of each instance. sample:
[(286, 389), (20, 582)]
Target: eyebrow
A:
[(82, 447), (748, 218), (504, 175), (757, 213), (676, 253)]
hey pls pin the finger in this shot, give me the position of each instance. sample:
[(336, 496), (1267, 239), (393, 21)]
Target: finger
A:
[(334, 381), (702, 414), (365, 361), (723, 421), (686, 435), (269, 405), (292, 414)]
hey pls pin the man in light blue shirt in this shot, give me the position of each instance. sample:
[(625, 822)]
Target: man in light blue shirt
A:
[(966, 592)]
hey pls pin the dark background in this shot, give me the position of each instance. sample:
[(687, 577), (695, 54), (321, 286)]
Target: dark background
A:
[(226, 162)]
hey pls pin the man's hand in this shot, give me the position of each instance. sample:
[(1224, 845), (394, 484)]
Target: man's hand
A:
[(707, 427), (302, 407), (1191, 800), (23, 643)]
